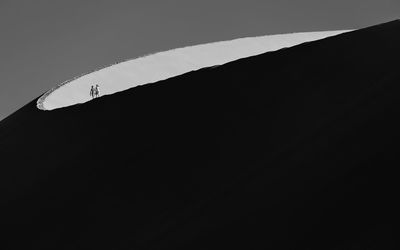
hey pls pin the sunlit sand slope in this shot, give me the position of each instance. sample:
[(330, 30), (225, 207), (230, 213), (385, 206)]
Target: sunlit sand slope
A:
[(164, 65)]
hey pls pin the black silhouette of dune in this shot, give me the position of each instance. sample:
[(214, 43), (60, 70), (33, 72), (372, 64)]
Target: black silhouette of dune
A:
[(293, 149)]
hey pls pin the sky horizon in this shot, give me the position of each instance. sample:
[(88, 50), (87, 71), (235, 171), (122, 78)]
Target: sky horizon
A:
[(46, 42)]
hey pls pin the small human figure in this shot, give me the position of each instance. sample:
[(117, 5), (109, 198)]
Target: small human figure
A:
[(92, 92), (97, 91)]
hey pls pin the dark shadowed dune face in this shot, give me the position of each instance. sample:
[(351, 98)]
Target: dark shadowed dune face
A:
[(294, 149)]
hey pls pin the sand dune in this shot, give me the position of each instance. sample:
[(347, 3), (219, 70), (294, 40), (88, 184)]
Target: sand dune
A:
[(293, 149), (164, 65)]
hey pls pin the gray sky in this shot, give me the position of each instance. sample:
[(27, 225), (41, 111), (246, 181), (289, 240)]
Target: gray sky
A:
[(45, 42)]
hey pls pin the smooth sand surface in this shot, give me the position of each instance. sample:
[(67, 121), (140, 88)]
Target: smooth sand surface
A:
[(164, 65)]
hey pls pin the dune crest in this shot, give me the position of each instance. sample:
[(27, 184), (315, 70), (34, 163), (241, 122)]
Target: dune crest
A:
[(163, 65)]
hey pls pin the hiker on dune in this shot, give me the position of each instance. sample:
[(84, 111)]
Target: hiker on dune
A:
[(97, 91), (92, 92)]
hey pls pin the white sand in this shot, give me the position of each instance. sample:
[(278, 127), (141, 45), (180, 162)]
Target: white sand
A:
[(163, 65)]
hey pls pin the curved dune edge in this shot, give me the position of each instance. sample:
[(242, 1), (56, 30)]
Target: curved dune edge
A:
[(159, 66)]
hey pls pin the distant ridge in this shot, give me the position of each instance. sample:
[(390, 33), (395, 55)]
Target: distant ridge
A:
[(293, 149)]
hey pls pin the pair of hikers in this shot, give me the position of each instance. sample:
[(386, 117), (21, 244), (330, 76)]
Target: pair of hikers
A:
[(95, 91)]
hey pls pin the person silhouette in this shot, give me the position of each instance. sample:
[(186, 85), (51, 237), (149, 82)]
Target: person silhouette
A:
[(97, 91), (92, 92)]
